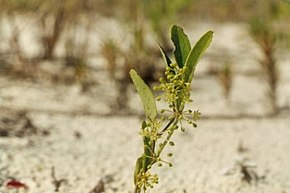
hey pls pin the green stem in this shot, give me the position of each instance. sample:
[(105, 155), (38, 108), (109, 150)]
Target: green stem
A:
[(168, 125), (137, 190), (174, 122)]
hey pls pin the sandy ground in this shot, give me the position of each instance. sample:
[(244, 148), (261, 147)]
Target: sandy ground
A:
[(86, 144), (85, 149)]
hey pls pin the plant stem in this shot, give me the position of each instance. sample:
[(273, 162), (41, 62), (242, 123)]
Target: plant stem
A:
[(174, 122), (168, 125), (137, 190)]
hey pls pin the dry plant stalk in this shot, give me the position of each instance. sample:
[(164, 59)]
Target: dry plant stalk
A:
[(266, 40), (225, 76), (56, 182), (111, 53)]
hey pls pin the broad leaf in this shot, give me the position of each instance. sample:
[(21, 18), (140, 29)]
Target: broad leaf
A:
[(181, 43), (146, 95), (195, 54)]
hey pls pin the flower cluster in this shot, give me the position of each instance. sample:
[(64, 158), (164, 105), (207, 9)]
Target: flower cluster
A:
[(176, 89), (146, 180), (177, 93), (190, 117), (151, 130)]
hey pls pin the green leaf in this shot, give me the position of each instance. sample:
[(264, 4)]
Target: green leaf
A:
[(148, 152), (166, 58), (196, 53), (138, 168), (146, 95), (181, 43)]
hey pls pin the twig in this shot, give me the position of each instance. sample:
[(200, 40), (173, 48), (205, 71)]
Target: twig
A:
[(57, 183)]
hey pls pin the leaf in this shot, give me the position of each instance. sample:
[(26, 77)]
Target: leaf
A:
[(196, 53), (181, 43), (146, 96), (149, 147), (138, 167), (166, 58)]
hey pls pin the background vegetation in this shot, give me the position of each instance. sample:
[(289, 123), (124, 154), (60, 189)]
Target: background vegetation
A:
[(63, 32), (64, 82)]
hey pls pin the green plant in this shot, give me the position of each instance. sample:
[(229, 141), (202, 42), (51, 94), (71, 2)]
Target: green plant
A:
[(157, 130)]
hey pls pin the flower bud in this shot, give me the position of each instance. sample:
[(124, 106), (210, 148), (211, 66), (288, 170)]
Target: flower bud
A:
[(171, 143)]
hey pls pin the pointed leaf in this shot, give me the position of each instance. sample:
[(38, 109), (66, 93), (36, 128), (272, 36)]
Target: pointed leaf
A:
[(181, 43), (146, 95), (138, 168), (165, 57), (196, 53)]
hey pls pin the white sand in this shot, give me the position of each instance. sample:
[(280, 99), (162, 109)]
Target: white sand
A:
[(109, 145)]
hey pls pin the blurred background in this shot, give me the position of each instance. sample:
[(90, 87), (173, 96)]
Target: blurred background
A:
[(85, 49), (66, 94)]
